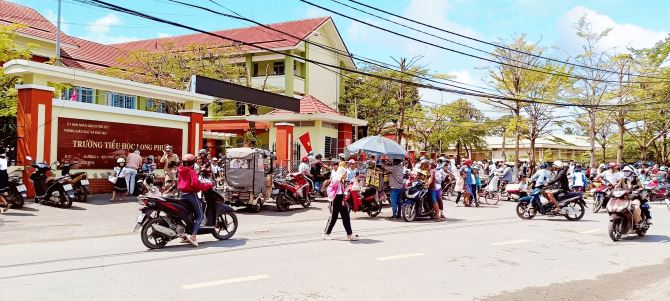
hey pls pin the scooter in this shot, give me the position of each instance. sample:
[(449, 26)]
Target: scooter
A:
[(292, 190), (601, 196), (15, 193), (620, 210), (49, 189), (417, 202), (364, 199), (571, 203), (79, 181), (163, 219)]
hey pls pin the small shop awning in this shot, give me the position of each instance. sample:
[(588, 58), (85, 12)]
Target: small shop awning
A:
[(217, 136)]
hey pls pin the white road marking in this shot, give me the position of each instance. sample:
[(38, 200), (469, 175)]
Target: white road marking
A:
[(511, 242), (591, 231), (400, 256), (225, 281)]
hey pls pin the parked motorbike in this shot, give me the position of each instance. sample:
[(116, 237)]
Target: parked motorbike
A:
[(318, 191), (163, 219), (291, 190), (601, 196), (364, 199), (50, 189), (620, 210), (571, 203), (15, 193), (417, 202), (78, 180), (144, 181)]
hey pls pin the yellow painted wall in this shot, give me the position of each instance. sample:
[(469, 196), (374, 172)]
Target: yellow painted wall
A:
[(323, 84), (317, 135), (38, 47)]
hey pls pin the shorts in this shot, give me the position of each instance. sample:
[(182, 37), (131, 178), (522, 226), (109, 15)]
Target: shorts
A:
[(434, 194)]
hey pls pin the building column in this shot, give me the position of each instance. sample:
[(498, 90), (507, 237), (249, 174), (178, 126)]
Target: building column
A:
[(193, 112), (284, 140), (33, 119), (288, 74), (344, 136)]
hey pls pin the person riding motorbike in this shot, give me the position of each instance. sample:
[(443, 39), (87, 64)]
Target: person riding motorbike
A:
[(190, 185), (561, 178), (204, 166), (611, 175), (630, 181), (304, 169)]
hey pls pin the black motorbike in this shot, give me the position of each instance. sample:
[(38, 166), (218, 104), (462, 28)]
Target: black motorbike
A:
[(49, 189), (78, 180), (143, 181), (163, 219), (417, 202), (15, 193)]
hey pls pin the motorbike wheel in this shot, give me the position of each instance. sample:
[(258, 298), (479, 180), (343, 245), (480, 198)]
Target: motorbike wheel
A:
[(375, 212), (525, 211), (17, 201), (408, 212), (282, 205), (258, 207), (597, 203), (65, 200), (641, 232), (307, 202), (226, 226), (614, 229), (151, 238), (578, 209), (82, 194)]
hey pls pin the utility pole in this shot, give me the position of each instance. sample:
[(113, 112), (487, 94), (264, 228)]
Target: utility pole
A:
[(401, 104), (356, 116), (58, 60)]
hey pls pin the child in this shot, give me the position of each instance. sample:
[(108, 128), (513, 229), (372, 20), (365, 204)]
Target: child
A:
[(120, 184), (458, 188)]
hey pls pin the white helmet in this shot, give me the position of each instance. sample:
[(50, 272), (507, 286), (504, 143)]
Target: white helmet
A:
[(558, 164), (628, 171), (120, 160)]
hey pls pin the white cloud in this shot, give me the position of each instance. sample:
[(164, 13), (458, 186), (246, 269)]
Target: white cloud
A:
[(164, 35), (621, 36), (99, 30)]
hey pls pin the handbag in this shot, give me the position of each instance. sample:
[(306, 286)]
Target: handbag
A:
[(112, 179), (332, 189)]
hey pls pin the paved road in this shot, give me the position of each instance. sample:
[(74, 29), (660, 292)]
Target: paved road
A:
[(478, 253)]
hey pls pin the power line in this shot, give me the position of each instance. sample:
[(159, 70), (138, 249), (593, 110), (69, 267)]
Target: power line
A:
[(240, 17), (462, 52), (479, 40), (113, 7)]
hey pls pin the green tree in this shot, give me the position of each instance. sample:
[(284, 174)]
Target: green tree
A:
[(8, 93)]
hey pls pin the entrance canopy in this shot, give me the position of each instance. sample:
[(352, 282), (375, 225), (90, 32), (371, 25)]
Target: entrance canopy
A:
[(218, 88)]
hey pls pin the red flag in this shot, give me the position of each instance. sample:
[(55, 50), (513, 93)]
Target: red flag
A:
[(306, 143)]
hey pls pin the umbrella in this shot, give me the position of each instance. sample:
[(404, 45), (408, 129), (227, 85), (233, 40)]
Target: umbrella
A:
[(378, 145)]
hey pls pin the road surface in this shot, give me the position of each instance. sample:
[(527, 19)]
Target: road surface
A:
[(89, 253)]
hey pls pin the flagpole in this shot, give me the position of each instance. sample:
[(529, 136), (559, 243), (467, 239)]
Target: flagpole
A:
[(58, 61)]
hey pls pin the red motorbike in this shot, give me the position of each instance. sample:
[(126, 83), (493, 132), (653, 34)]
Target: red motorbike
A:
[(601, 197), (364, 199), (292, 190)]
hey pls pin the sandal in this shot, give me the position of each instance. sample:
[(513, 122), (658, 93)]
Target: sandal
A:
[(352, 237)]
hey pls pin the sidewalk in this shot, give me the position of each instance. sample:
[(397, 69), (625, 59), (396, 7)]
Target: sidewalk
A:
[(36, 222)]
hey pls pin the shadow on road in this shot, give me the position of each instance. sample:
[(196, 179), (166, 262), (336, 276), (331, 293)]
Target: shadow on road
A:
[(648, 238), (271, 210), (13, 213), (175, 246)]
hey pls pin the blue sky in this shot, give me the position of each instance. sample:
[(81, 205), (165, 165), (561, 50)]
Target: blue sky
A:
[(635, 23)]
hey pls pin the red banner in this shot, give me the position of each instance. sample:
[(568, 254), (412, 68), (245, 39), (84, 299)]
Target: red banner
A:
[(96, 144), (306, 143)]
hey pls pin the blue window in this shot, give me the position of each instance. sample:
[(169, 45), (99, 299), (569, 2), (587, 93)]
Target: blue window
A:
[(121, 100), (83, 94)]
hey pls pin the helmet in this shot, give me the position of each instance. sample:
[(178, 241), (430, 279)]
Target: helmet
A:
[(215, 159), (352, 161), (628, 171), (544, 165), (120, 160), (188, 159), (664, 168), (202, 152), (558, 164), (305, 159), (467, 162)]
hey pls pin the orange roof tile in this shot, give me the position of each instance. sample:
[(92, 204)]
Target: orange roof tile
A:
[(308, 105)]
